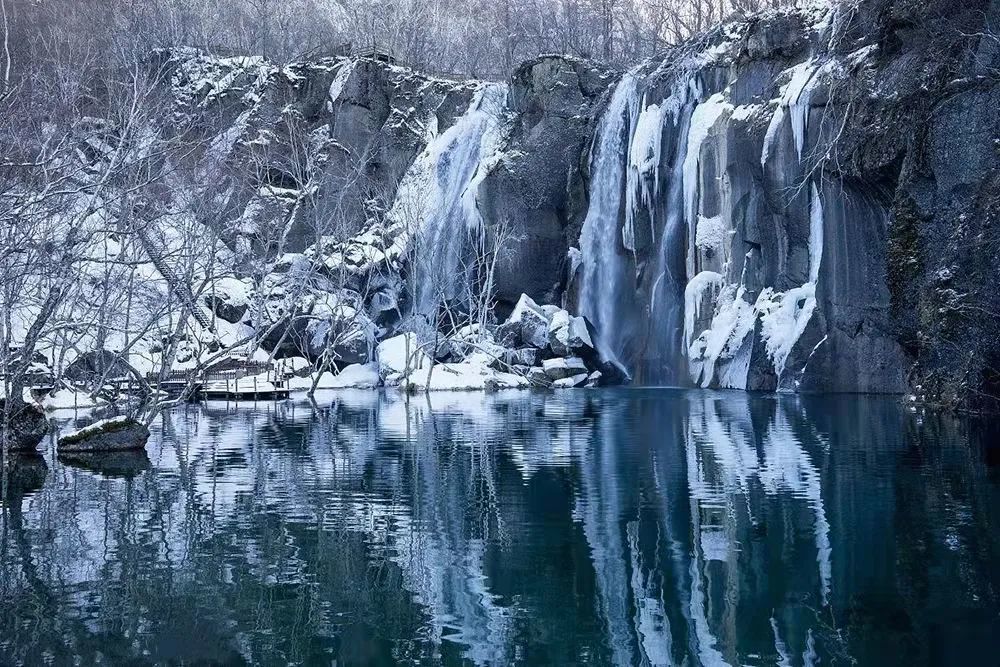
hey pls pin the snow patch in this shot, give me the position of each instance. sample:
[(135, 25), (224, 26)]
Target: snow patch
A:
[(710, 233)]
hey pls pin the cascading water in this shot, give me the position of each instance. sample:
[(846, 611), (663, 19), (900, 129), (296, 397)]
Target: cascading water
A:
[(436, 201), (666, 293), (605, 267), (637, 303)]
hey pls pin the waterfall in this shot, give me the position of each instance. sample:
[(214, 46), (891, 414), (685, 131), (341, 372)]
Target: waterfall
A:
[(624, 294), (663, 351), (436, 202), (605, 266)]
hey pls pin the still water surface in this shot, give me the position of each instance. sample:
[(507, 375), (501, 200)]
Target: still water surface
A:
[(612, 527)]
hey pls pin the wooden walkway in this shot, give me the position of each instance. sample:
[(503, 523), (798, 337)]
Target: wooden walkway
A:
[(237, 382)]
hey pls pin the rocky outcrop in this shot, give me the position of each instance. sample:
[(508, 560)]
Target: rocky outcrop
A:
[(108, 435), (304, 150), (536, 193), (922, 132), (798, 200), (26, 425)]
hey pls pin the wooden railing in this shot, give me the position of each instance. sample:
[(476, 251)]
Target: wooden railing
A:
[(248, 369)]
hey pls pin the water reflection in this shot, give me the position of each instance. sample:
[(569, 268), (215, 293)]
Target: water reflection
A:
[(637, 527)]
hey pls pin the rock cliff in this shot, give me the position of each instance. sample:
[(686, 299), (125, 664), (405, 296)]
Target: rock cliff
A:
[(797, 201)]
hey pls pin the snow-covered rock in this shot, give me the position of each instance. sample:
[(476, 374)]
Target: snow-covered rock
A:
[(67, 399), (538, 377), (107, 435), (354, 376), (466, 375), (529, 323), (564, 367), (567, 334), (314, 324), (97, 366), (399, 356), (229, 299), (570, 382), (525, 356)]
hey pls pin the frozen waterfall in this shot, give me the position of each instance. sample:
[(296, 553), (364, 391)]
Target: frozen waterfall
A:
[(437, 200), (639, 180), (607, 273)]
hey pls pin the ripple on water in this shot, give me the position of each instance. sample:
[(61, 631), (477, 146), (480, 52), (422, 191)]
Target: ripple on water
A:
[(600, 527)]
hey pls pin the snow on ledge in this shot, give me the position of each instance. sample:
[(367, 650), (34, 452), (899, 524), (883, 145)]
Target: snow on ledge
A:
[(109, 425)]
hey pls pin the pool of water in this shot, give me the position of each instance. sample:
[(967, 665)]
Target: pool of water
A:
[(630, 527)]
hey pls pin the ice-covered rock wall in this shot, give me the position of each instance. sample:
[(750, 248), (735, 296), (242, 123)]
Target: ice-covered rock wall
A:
[(724, 248), (795, 201)]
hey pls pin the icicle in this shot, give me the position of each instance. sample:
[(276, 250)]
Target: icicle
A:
[(795, 97), (815, 234), (703, 120), (643, 177), (339, 81)]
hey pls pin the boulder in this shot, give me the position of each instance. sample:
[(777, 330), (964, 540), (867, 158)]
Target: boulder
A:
[(568, 334), (538, 377), (228, 299), (27, 426), (346, 339), (108, 435), (612, 375), (468, 339), (400, 355), (528, 323), (317, 324), (564, 367), (95, 367), (525, 356)]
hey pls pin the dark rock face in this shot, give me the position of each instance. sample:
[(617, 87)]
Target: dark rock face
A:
[(226, 309), (536, 193), (924, 126), (110, 435), (26, 427)]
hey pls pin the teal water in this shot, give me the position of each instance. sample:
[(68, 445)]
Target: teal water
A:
[(631, 527)]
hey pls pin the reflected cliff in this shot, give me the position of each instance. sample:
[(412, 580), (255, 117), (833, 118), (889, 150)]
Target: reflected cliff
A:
[(625, 527)]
